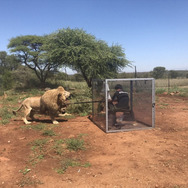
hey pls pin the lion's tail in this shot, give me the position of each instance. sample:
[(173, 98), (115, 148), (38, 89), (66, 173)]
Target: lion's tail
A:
[(14, 111)]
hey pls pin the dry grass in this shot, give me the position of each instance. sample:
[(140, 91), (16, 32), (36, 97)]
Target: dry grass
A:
[(171, 82), (178, 86)]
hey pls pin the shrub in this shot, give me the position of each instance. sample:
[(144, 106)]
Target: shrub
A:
[(7, 80), (6, 115), (75, 144), (160, 90)]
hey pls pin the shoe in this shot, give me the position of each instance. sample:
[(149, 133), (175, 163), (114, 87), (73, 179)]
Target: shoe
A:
[(117, 126)]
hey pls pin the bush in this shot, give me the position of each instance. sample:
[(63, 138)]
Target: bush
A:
[(7, 80), (6, 115), (75, 144), (160, 90)]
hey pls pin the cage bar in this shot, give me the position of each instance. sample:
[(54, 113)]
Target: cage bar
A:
[(137, 113)]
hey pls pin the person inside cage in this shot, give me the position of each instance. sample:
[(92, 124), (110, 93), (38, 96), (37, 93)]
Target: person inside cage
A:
[(119, 103)]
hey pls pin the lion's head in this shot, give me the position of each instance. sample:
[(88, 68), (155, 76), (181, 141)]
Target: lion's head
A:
[(54, 99)]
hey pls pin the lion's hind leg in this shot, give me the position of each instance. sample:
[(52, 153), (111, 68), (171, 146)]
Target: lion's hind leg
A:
[(32, 113), (27, 111)]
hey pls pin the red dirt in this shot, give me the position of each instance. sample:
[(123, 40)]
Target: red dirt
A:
[(156, 158)]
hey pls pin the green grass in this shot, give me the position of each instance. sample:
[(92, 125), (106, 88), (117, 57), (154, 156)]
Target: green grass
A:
[(160, 90), (25, 171), (67, 162), (48, 133), (46, 130), (12, 99), (29, 181), (172, 85), (39, 142), (5, 114), (58, 147), (183, 92), (172, 82), (38, 150), (70, 85), (75, 144), (37, 127)]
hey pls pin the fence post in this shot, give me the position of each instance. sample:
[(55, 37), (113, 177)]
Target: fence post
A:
[(168, 82)]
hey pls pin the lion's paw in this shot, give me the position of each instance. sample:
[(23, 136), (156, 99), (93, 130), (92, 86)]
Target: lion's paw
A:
[(55, 122), (27, 122)]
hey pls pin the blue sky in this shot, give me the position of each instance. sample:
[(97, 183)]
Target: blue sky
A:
[(152, 32)]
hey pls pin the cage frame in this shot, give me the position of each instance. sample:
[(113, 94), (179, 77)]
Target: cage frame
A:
[(106, 128), (153, 103)]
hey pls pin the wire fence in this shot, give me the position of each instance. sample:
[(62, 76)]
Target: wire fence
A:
[(171, 83), (173, 86)]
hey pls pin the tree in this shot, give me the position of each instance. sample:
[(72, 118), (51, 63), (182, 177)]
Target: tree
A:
[(29, 50), (7, 80), (93, 58), (173, 74), (8, 62), (158, 72), (3, 56)]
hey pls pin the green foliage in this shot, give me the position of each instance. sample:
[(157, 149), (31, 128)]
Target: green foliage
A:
[(82, 52), (173, 74), (25, 171), (7, 80), (160, 90), (48, 133), (81, 109), (72, 48), (72, 163), (75, 144), (58, 146), (37, 127), (29, 181), (158, 72), (29, 50), (80, 94), (65, 164), (25, 78), (39, 143), (38, 148), (183, 92), (8, 62), (5, 114)]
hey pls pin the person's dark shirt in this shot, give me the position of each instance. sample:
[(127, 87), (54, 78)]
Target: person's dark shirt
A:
[(122, 99)]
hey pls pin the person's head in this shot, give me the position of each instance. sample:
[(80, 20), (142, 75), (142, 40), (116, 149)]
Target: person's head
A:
[(118, 87)]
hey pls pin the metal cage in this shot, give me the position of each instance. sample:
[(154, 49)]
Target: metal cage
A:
[(137, 113)]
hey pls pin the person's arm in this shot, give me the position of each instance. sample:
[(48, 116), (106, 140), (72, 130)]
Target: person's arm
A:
[(114, 98)]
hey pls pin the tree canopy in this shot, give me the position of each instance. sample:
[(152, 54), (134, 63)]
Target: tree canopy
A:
[(72, 48), (173, 74), (82, 52), (8, 62), (158, 72), (29, 50)]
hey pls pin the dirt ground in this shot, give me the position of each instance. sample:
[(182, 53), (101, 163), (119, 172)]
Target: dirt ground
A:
[(156, 158)]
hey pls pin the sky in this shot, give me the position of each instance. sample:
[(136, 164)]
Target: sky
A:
[(151, 32)]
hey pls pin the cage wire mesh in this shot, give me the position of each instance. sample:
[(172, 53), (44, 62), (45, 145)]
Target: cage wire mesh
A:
[(137, 113)]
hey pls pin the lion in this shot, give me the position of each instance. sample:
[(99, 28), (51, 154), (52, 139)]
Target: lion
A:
[(31, 106), (51, 103)]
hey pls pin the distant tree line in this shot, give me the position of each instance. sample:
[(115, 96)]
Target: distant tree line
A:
[(161, 72), (157, 73)]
